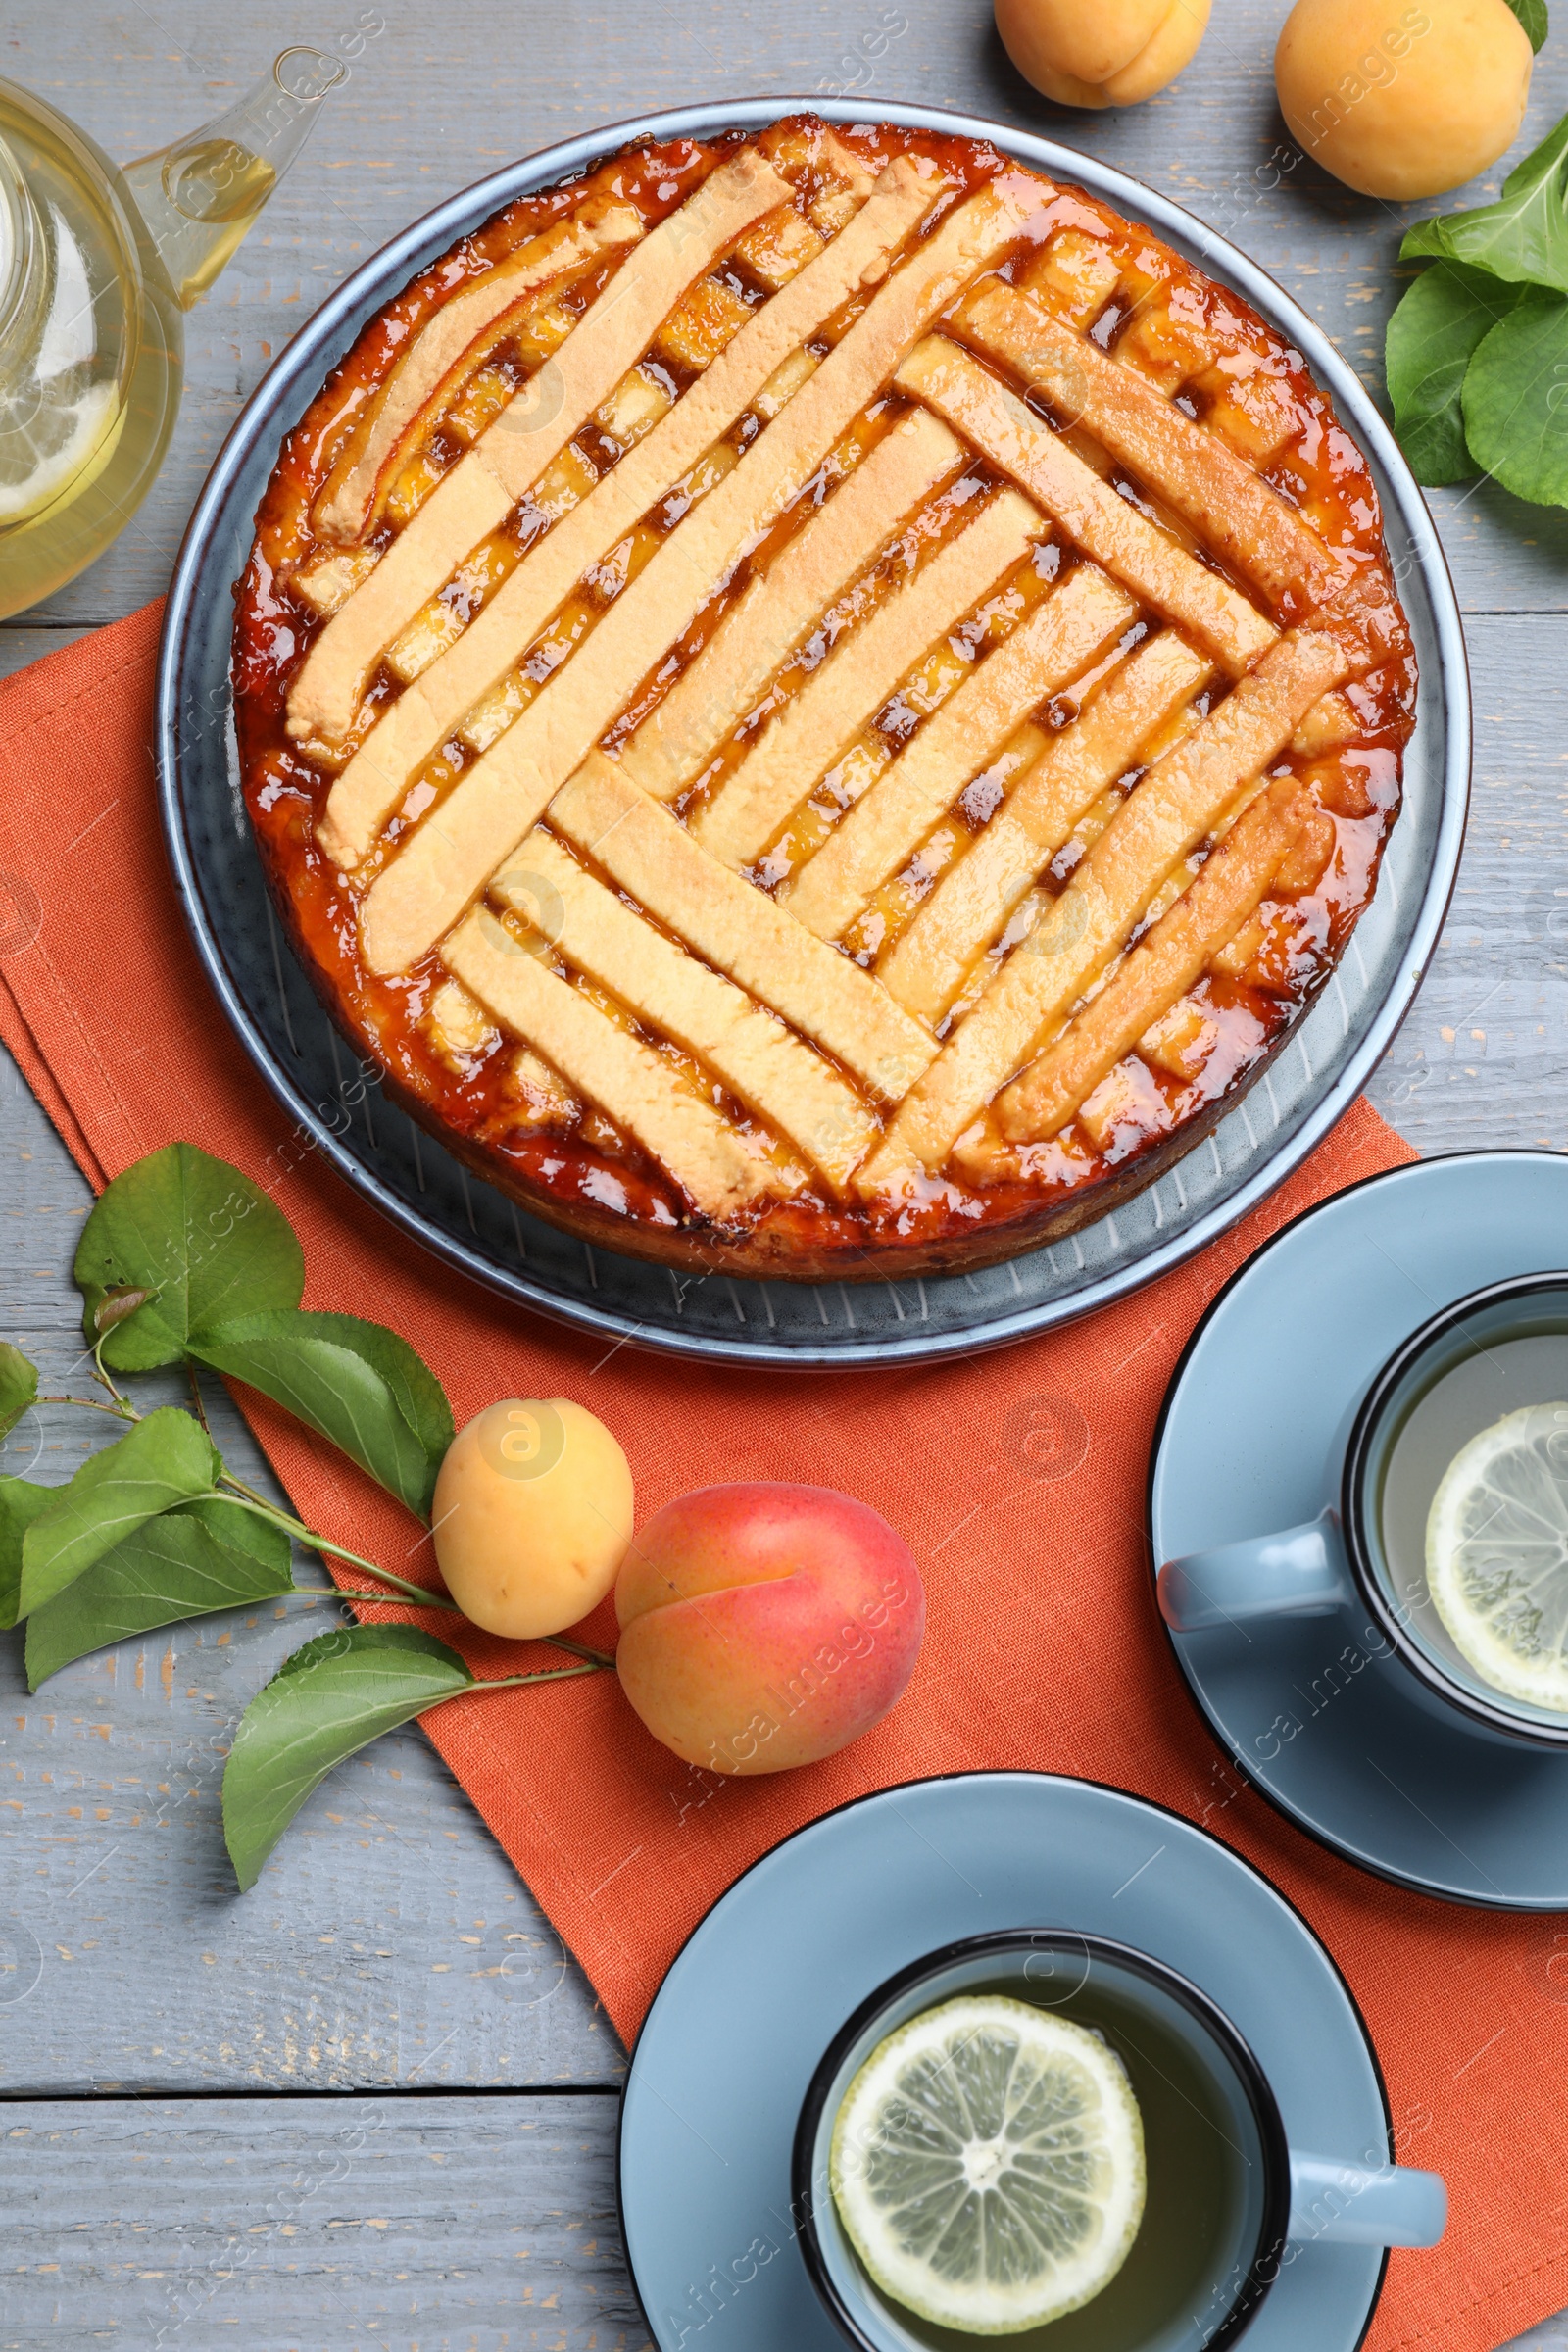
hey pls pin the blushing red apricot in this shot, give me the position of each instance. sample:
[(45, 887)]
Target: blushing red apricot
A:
[(765, 1626), (1403, 102)]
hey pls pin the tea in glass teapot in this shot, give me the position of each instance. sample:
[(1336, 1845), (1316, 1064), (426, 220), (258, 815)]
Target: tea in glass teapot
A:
[(97, 263)]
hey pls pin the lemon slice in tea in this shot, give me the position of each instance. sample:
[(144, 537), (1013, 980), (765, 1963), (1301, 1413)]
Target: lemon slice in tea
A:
[(1498, 1555), (987, 2165)]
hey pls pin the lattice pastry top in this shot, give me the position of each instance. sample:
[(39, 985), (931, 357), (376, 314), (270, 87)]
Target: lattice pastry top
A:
[(819, 702)]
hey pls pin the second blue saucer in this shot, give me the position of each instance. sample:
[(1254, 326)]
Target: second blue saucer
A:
[(1312, 1713), (761, 1987)]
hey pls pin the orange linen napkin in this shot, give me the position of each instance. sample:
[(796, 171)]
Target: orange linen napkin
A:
[(1044, 1651)]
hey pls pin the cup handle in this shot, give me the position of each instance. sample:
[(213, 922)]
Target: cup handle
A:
[(1350, 2205), (1301, 1573)]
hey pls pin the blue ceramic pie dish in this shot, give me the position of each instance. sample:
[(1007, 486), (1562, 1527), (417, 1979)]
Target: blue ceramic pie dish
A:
[(337, 1106)]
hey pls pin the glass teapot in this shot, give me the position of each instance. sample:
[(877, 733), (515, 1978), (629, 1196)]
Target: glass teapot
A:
[(97, 263)]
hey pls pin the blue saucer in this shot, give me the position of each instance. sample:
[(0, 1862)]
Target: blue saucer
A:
[(1311, 1714), (758, 1991)]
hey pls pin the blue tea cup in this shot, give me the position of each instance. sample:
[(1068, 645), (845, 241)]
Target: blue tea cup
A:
[(1492, 1352), (1229, 2203)]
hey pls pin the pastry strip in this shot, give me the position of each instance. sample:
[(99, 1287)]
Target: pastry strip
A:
[(457, 1024), (1332, 722), (709, 699), (330, 580), (1230, 506), (757, 1056), (483, 486), (1058, 640), (628, 1080), (448, 338), (372, 785), (1160, 969), (1181, 798), (971, 904), (1125, 543), (490, 808), (737, 928), (817, 725)]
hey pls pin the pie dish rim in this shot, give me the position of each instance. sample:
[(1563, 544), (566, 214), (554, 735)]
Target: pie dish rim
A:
[(294, 379)]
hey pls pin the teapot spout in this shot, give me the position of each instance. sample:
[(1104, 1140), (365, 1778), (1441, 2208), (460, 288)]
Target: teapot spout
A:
[(199, 196)]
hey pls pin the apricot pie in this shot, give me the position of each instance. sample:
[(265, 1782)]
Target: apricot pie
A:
[(819, 702)]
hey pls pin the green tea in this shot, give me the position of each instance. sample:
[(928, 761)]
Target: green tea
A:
[(90, 357), (212, 184), (1491, 1377), (1205, 2197)]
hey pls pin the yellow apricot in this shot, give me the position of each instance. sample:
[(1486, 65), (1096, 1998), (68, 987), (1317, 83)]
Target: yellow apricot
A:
[(1112, 54), (532, 1515), (1403, 102)]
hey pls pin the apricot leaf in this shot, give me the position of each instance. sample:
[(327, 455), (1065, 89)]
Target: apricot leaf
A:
[(19, 1505), (1532, 14), (164, 1460), (199, 1238), (1432, 339), (1516, 392), (18, 1385), (353, 1382), (188, 1562), (324, 1703), (1524, 236)]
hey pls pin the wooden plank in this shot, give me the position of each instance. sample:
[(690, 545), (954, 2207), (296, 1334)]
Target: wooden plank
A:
[(315, 2225), (1481, 1060)]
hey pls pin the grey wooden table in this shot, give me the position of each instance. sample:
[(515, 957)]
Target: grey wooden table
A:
[(380, 2108)]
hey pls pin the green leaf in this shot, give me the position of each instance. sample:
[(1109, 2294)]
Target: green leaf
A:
[(164, 1460), (355, 1383), (200, 1557), (1532, 14), (1516, 400), (19, 1505), (1524, 236), (416, 1392), (328, 1700), (1432, 336), (196, 1234), (18, 1385)]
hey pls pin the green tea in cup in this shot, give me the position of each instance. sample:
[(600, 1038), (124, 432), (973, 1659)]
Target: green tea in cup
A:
[(1052, 2138)]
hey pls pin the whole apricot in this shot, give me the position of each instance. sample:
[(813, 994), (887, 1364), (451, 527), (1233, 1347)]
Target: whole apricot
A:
[(1403, 102), (532, 1515), (1112, 53), (764, 1626)]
